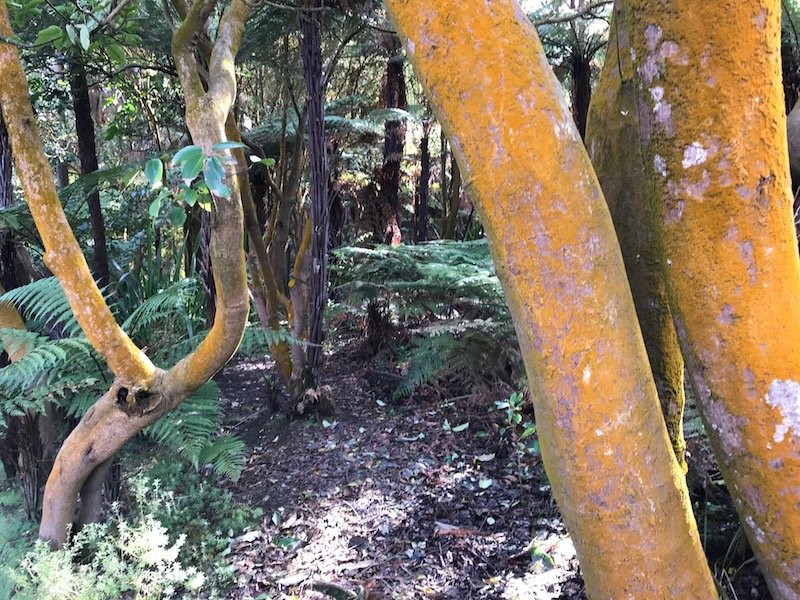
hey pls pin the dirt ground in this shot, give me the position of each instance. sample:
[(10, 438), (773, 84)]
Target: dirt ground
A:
[(419, 499), (423, 498)]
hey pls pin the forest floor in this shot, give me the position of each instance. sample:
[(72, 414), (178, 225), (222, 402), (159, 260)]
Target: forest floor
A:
[(418, 499), (425, 498)]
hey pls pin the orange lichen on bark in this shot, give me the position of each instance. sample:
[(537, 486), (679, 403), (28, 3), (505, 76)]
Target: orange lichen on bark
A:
[(62, 254), (206, 116), (11, 319), (604, 443), (612, 138), (714, 133)]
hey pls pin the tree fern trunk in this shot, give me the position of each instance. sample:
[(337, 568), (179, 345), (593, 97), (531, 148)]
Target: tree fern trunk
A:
[(311, 50)]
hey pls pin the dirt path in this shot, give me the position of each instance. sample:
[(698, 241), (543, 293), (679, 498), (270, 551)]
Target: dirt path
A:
[(388, 500)]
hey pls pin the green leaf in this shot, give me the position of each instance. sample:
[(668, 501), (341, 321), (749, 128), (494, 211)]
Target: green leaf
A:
[(116, 53), (192, 166), (267, 162), (49, 34), (461, 427), (182, 155), (154, 171), (189, 196), (204, 202), (177, 216), (485, 484), (84, 37), (220, 146), (214, 173), (72, 34), (155, 207)]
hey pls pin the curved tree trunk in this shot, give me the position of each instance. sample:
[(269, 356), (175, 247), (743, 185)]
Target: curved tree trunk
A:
[(712, 125), (140, 393), (613, 142), (603, 441)]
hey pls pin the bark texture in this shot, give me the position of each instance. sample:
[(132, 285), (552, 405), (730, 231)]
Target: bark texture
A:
[(311, 50), (713, 131), (613, 141), (603, 441)]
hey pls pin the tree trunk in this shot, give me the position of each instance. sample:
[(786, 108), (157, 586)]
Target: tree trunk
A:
[(421, 211), (87, 153), (311, 50), (613, 142), (557, 257), (141, 393), (452, 202), (581, 88), (393, 95), (713, 135)]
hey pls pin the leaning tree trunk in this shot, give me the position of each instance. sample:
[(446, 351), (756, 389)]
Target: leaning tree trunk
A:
[(613, 141), (581, 68), (87, 153), (603, 441), (712, 125), (311, 50)]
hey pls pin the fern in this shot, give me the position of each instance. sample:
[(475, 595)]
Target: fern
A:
[(179, 301), (50, 369), (463, 334), (225, 455), (43, 303), (190, 430)]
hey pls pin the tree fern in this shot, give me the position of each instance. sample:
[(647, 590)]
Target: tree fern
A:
[(462, 331)]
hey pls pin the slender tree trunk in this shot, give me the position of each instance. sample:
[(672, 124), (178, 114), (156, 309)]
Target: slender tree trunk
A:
[(581, 88), (712, 122), (613, 141), (421, 211), (87, 153), (393, 95), (311, 50), (557, 257), (452, 202)]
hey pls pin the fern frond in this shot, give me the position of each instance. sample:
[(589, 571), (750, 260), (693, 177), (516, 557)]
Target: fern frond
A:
[(49, 369), (176, 301), (225, 455), (188, 428), (42, 302)]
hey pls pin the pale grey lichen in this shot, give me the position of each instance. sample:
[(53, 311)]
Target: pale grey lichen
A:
[(784, 394)]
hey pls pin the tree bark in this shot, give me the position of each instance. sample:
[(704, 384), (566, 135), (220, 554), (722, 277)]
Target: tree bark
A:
[(87, 153), (613, 142), (713, 133), (423, 191), (393, 95), (557, 257), (311, 51)]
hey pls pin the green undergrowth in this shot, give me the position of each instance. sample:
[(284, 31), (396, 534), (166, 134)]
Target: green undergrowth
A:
[(168, 538), (446, 299)]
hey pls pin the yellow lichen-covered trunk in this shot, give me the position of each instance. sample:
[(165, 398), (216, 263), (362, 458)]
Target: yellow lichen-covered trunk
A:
[(713, 133), (603, 441), (140, 393), (612, 138)]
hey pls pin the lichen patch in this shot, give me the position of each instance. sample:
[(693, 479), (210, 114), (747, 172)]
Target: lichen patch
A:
[(784, 394)]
